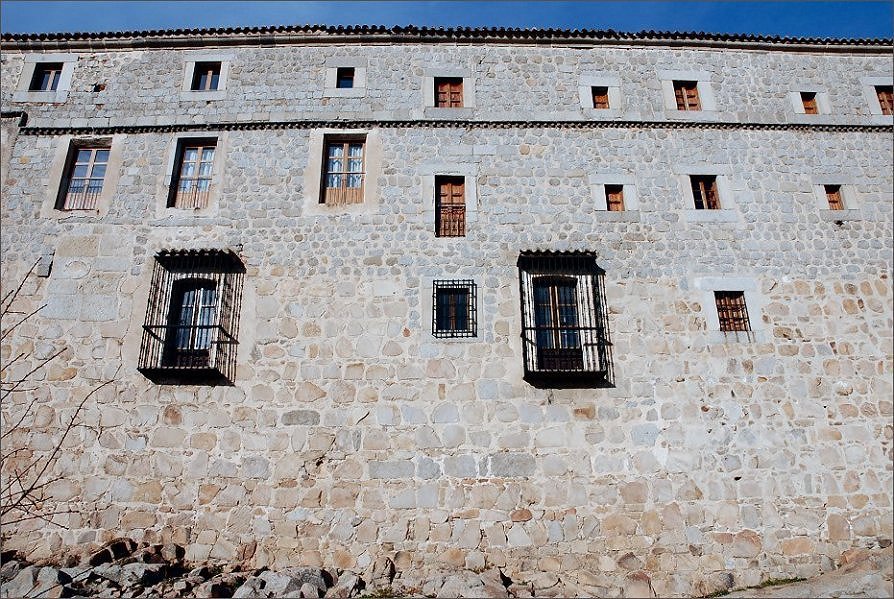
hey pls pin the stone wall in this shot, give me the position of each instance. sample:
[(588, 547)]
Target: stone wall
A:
[(351, 431)]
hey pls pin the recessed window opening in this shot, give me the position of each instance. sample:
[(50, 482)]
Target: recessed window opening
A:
[(82, 185), (193, 167), (206, 76), (808, 99), (448, 92), (46, 76), (704, 192), (343, 175), (614, 198), (450, 206), (732, 311), (885, 94), (454, 309), (600, 97), (344, 77), (833, 195), (686, 95)]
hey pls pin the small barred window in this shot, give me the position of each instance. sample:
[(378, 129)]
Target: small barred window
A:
[(454, 309)]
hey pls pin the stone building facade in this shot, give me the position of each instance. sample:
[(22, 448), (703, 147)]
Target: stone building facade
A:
[(593, 423)]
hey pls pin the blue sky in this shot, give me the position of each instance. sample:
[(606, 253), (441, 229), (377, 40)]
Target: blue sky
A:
[(833, 19)]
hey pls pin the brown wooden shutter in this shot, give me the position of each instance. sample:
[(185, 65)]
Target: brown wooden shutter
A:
[(833, 195), (885, 95), (614, 198), (449, 92), (809, 101), (732, 312), (686, 95), (450, 213), (600, 97)]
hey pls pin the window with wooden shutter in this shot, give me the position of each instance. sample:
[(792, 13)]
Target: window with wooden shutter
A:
[(686, 94), (833, 194), (600, 97), (614, 198), (704, 192), (448, 92), (191, 180), (85, 173), (808, 99), (450, 206), (343, 173), (205, 76), (732, 311), (885, 95), (46, 76)]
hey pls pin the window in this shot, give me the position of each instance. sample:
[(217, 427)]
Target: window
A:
[(205, 76), (46, 76), (732, 311), (686, 95), (454, 313), (448, 92), (808, 99), (564, 323), (885, 94), (192, 320), (82, 185), (614, 198), (344, 77), (600, 97), (833, 195), (344, 171), (450, 206), (191, 180), (704, 192)]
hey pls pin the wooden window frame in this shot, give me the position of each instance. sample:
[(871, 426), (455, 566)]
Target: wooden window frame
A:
[(343, 194), (208, 68), (453, 289), (704, 192), (834, 197), (194, 197), (448, 92), (686, 95), (614, 198), (732, 311), (599, 95), (450, 206), (810, 102), (89, 197), (41, 70), (346, 74), (885, 96)]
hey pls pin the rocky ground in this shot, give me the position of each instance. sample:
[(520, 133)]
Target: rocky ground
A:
[(125, 569)]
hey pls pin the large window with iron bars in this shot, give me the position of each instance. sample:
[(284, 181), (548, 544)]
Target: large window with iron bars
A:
[(565, 335), (193, 169), (85, 173), (343, 172), (190, 335)]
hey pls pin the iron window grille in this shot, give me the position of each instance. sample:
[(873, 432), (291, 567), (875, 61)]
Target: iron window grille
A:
[(686, 95), (205, 76), (344, 77), (732, 311), (454, 309), (191, 179), (885, 94), (450, 206), (85, 172), (833, 195), (808, 99), (190, 335), (46, 77), (343, 172), (600, 97), (704, 192), (565, 335), (448, 92)]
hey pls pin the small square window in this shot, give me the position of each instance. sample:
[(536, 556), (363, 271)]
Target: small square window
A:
[(808, 99), (454, 309), (191, 179), (614, 198), (205, 76), (46, 76), (686, 95), (344, 77), (450, 206), (885, 95), (343, 171), (84, 176), (704, 192), (600, 97), (448, 92), (833, 195), (732, 311)]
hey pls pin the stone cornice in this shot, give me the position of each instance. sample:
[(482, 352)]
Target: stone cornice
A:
[(373, 34), (444, 124)]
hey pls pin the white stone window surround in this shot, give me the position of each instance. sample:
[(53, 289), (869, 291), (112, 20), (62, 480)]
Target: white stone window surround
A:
[(705, 95), (850, 197), (189, 67), (313, 174), (428, 92), (631, 196), (332, 65), (56, 96), (469, 172), (755, 302), (612, 83), (426, 289), (823, 104), (869, 94), (58, 173), (729, 209), (172, 169)]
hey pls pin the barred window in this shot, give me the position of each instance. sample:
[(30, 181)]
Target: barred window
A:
[(600, 97), (454, 309), (808, 99), (450, 206), (448, 92), (46, 77), (191, 180), (343, 175), (84, 176), (833, 195), (344, 77), (614, 198), (192, 319), (885, 94), (732, 311), (565, 335), (704, 192), (205, 76), (686, 95)]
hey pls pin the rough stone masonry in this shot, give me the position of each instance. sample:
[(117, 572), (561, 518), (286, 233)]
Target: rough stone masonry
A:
[(351, 432)]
